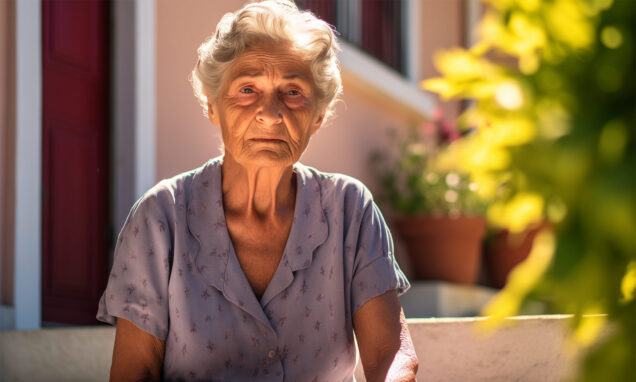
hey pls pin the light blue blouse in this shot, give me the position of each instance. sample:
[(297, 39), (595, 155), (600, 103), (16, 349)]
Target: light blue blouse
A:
[(176, 276)]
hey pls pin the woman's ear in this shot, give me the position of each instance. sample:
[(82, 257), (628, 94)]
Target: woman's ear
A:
[(213, 114), (318, 121)]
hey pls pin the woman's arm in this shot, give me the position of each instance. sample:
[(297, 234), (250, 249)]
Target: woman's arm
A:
[(137, 355), (384, 341)]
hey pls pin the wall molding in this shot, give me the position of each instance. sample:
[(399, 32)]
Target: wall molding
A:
[(411, 14), (473, 11), (384, 80), (123, 192), (7, 317), (145, 96), (28, 170)]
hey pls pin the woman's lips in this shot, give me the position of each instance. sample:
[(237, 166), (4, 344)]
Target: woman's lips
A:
[(267, 140)]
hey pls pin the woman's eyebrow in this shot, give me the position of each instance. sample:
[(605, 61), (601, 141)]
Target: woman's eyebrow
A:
[(299, 79), (254, 74), (293, 76)]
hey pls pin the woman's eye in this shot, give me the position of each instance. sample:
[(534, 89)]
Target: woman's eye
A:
[(293, 92), (246, 91)]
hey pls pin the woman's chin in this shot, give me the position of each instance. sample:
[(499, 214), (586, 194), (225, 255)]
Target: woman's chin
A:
[(268, 158)]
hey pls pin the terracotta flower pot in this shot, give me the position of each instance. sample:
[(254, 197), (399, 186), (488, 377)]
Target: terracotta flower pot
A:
[(505, 251), (443, 248)]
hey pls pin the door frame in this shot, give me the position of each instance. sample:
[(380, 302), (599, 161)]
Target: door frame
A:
[(28, 166), (133, 105), (28, 145)]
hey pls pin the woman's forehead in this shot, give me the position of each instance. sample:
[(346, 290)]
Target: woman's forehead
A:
[(284, 63)]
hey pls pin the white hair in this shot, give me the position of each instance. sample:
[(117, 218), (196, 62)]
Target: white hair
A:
[(270, 21)]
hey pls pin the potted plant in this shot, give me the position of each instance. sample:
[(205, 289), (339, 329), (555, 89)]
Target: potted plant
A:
[(505, 249), (440, 215)]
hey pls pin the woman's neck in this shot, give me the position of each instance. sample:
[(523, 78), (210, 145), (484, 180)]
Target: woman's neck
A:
[(261, 193)]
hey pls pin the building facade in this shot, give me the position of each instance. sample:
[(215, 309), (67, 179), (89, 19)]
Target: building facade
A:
[(153, 128)]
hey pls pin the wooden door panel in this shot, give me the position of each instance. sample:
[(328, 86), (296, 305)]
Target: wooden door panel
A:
[(75, 158), (66, 46), (70, 96), (71, 204)]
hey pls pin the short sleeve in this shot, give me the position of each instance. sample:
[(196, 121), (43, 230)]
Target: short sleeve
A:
[(375, 269), (137, 288)]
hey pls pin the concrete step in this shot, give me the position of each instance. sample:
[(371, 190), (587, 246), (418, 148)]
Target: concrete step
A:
[(528, 348)]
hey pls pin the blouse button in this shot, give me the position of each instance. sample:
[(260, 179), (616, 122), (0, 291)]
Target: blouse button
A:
[(271, 354)]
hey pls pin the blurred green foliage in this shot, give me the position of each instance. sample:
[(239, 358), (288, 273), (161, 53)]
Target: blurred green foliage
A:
[(555, 108)]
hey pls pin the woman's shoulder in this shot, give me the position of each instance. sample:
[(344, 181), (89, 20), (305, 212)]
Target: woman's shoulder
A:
[(339, 186), (177, 191)]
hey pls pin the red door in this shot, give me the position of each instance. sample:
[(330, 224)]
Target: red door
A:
[(75, 158)]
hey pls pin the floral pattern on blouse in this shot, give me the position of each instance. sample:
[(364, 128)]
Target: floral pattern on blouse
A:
[(176, 276)]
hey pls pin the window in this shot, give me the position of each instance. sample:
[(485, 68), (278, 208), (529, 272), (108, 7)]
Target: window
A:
[(375, 26)]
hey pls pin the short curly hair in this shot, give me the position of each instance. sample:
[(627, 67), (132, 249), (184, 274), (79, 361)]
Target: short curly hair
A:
[(270, 21)]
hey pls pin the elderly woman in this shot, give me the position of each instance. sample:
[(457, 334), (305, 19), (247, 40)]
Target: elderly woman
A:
[(255, 267)]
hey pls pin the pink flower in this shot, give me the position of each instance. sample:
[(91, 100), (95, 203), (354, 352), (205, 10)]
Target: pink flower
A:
[(437, 114)]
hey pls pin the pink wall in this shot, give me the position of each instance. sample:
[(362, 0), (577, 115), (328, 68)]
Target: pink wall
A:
[(7, 148), (442, 27), (359, 127), (185, 138)]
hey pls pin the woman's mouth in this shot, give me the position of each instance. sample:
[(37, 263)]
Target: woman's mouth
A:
[(267, 140)]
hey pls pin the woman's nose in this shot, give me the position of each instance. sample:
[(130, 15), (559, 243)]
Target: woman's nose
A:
[(270, 112)]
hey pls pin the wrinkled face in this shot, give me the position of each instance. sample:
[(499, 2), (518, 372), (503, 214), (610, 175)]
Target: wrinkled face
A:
[(267, 107)]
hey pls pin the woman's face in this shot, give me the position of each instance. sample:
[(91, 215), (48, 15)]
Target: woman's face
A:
[(267, 107)]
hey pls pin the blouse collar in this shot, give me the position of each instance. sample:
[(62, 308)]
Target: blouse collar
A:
[(216, 260)]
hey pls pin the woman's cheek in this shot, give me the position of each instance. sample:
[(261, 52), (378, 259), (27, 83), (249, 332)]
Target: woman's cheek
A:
[(241, 109)]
